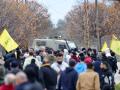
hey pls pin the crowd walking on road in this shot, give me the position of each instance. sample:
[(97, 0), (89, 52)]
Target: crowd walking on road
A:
[(46, 69)]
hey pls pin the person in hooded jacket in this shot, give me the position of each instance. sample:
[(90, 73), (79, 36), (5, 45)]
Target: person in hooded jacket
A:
[(66, 56), (81, 66), (104, 58), (14, 67), (88, 80), (68, 78), (49, 75), (33, 76), (8, 58), (106, 77), (34, 66), (97, 62), (113, 62)]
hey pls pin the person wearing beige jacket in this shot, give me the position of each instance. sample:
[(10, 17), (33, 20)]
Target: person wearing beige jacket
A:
[(88, 80), (28, 60)]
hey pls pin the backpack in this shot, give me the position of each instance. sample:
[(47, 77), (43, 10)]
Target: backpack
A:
[(108, 82)]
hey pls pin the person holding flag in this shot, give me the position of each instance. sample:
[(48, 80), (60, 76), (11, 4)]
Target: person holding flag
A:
[(7, 42)]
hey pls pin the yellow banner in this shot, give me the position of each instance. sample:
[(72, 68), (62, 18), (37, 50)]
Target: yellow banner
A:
[(7, 42), (115, 45), (104, 47)]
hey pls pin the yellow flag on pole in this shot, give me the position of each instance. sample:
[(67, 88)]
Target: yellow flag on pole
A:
[(115, 45), (7, 42), (104, 47)]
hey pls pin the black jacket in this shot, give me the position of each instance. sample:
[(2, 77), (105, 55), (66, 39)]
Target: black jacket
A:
[(68, 79), (107, 80), (113, 63), (49, 77)]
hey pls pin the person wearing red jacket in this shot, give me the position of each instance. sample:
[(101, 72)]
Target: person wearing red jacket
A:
[(9, 81)]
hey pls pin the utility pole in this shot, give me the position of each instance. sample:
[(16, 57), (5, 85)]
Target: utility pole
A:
[(86, 25), (87, 28), (84, 18), (96, 26)]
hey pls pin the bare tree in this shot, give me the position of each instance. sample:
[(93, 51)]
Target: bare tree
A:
[(108, 22), (25, 21)]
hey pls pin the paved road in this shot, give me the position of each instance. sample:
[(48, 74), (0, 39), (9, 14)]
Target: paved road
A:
[(117, 76)]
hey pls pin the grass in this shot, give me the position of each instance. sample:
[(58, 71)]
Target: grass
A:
[(117, 87)]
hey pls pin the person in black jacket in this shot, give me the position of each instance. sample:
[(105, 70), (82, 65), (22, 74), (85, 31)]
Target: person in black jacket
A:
[(14, 67), (68, 78), (49, 75), (106, 77), (113, 62), (33, 75)]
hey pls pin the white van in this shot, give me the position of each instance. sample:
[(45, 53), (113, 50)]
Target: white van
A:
[(55, 44)]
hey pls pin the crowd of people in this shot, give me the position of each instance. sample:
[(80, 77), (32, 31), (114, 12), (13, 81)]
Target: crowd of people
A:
[(46, 69)]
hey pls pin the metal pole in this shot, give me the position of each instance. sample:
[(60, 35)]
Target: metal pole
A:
[(96, 26)]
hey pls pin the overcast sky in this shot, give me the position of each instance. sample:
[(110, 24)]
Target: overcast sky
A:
[(58, 8)]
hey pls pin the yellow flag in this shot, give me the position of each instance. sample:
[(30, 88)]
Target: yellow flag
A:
[(7, 42), (104, 47), (115, 45)]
